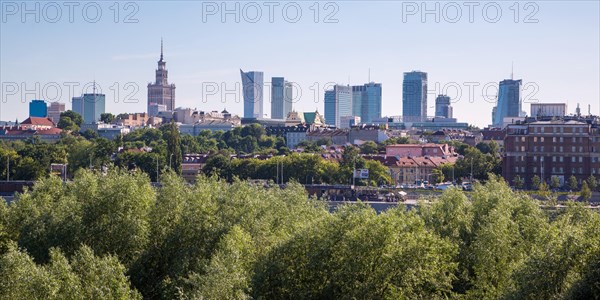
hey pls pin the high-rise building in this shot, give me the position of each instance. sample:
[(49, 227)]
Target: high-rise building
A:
[(90, 107), (38, 108), (252, 85), (366, 101), (338, 103), (414, 96), (54, 111), (443, 107), (509, 101), (281, 98), (161, 92)]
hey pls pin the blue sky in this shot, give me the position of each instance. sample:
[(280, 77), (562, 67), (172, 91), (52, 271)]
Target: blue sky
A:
[(558, 57)]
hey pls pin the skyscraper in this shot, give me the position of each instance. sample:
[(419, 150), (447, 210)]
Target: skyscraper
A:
[(252, 85), (414, 96), (338, 103), (509, 101), (161, 92), (281, 98), (443, 107), (366, 101), (90, 106), (54, 111), (38, 108)]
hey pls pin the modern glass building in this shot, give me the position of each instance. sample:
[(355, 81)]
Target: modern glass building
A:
[(366, 101), (414, 96), (338, 103), (252, 86), (281, 98), (90, 107), (509, 101), (443, 107), (38, 108)]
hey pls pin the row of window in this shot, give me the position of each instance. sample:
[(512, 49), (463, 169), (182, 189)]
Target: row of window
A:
[(558, 170), (555, 129), (556, 148), (574, 159)]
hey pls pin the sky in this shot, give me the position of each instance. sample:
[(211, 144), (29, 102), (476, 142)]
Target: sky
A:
[(55, 50)]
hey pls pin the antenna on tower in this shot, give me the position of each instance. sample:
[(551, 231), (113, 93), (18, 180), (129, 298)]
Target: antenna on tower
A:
[(161, 48), (369, 74), (512, 69)]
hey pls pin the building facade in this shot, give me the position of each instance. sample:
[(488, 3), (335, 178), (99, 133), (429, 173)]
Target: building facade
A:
[(509, 101), (548, 109), (338, 103), (252, 86), (443, 107), (366, 101), (414, 97), (281, 98), (54, 111), (161, 92), (38, 109), (547, 148), (90, 107)]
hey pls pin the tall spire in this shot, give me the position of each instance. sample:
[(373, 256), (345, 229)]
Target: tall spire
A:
[(161, 49), (512, 70)]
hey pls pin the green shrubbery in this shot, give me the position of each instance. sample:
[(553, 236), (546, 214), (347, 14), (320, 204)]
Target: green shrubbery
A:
[(115, 236)]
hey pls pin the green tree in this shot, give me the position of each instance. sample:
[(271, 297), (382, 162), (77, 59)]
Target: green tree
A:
[(554, 182), (369, 147), (173, 139), (66, 123), (573, 184), (592, 183), (107, 118), (586, 193), (518, 182), (75, 117), (89, 134), (438, 175), (535, 182)]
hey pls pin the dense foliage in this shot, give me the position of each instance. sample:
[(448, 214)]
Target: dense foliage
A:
[(116, 236)]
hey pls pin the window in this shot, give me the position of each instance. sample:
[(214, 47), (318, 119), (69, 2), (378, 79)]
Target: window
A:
[(561, 159), (522, 148), (573, 159), (560, 169), (554, 139), (522, 169), (535, 158), (541, 158), (580, 148), (574, 139), (516, 169), (535, 139), (534, 148), (561, 139), (522, 139), (534, 169), (574, 171), (542, 139), (561, 148), (553, 158), (542, 149), (580, 170), (573, 149), (553, 148), (553, 169), (581, 159)]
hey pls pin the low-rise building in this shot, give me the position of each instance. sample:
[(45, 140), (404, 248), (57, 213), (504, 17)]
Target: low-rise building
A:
[(414, 150)]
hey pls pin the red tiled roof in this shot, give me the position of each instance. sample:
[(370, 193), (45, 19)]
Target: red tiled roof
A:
[(38, 121), (50, 131)]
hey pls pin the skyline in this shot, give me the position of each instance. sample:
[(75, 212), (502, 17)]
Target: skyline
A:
[(557, 58)]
